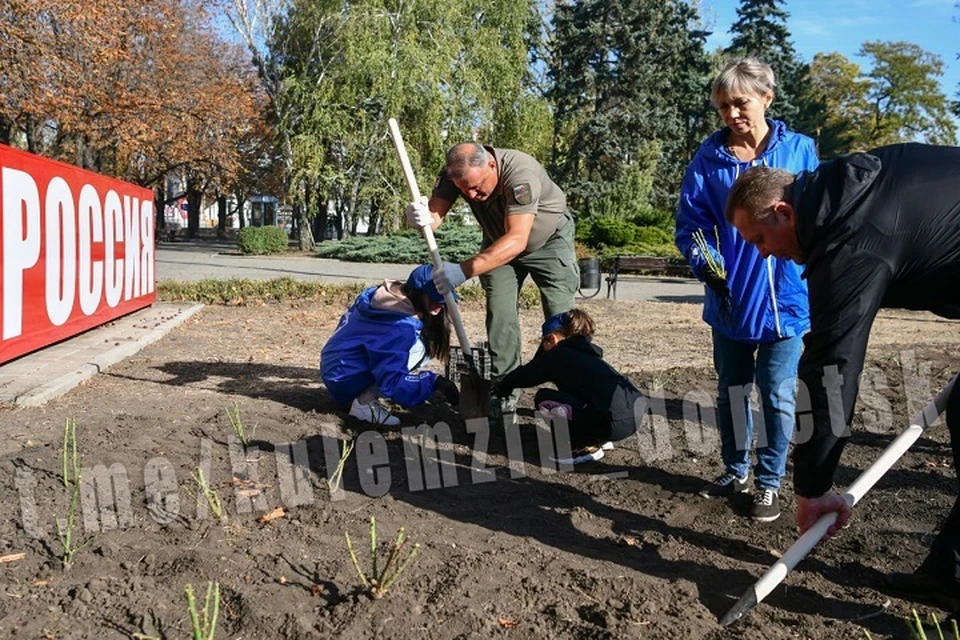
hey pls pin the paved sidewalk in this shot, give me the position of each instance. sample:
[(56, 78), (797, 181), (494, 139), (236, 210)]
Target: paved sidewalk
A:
[(191, 261), (42, 375)]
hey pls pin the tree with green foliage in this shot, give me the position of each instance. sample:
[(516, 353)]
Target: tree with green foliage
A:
[(839, 91), (624, 74), (905, 98), (761, 32), (447, 70)]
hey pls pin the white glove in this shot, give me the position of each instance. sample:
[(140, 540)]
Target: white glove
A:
[(418, 214), (448, 277)]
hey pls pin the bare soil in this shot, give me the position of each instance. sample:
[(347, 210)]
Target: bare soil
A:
[(621, 548)]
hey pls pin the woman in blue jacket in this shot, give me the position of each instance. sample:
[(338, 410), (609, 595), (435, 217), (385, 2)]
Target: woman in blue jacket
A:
[(758, 309), (380, 342)]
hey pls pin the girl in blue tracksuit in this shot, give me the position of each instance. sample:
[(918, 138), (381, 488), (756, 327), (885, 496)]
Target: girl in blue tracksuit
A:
[(760, 311), (381, 341)]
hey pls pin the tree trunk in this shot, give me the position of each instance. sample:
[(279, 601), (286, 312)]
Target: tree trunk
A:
[(6, 130), (338, 221), (374, 222), (302, 221), (221, 217), (160, 207), (194, 198), (241, 216), (320, 216)]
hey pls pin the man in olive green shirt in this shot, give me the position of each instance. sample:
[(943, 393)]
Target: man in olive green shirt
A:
[(527, 230)]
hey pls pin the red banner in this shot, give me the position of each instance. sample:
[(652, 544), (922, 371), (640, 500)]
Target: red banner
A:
[(76, 250)]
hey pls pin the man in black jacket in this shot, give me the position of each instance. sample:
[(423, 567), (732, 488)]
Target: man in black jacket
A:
[(876, 229)]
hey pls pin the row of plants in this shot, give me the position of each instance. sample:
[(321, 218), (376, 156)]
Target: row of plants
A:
[(375, 584), (203, 621)]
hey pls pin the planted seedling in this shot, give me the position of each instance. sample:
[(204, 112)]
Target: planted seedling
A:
[(204, 622), (71, 478), (68, 453), (238, 427), (917, 632), (380, 580), (211, 495), (346, 447)]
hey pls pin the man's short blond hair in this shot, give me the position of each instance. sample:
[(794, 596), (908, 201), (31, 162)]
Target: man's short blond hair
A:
[(743, 75), (757, 190)]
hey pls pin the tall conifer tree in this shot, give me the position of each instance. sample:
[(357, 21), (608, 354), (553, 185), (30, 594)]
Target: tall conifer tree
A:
[(761, 32), (624, 73)]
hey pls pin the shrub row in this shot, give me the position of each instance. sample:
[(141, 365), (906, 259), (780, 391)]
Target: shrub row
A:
[(456, 243), (240, 292)]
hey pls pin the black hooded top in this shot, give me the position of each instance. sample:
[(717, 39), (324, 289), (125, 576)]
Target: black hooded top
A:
[(877, 229), (576, 367)]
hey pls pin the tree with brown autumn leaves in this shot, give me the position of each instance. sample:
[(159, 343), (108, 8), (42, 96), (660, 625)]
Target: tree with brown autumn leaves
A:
[(129, 88)]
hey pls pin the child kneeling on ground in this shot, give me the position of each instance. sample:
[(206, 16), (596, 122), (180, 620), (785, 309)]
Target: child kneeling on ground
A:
[(382, 340), (595, 400)]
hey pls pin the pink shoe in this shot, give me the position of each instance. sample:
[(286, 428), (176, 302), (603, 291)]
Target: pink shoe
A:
[(552, 409)]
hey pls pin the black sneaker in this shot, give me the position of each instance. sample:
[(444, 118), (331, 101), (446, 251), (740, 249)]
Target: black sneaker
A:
[(766, 506), (925, 589), (725, 485)]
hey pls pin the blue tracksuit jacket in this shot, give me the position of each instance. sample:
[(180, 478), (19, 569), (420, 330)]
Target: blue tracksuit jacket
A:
[(371, 346), (769, 298)]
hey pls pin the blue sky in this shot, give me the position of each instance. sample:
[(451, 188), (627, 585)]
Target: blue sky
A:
[(843, 25)]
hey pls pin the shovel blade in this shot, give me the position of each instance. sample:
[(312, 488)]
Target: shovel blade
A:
[(474, 395)]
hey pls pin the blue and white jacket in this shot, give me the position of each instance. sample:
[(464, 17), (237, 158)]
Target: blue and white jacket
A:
[(769, 298), (372, 346)]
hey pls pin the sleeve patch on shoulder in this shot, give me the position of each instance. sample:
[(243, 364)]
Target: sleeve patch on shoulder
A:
[(522, 193)]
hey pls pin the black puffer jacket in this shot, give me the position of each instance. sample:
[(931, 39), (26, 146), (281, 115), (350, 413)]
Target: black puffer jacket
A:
[(878, 229)]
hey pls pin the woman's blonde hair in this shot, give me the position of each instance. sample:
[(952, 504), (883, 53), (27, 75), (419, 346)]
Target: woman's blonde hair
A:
[(743, 75)]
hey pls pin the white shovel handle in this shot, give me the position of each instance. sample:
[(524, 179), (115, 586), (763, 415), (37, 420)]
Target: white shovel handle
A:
[(448, 297)]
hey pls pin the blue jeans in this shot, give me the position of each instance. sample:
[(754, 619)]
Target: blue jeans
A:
[(772, 366)]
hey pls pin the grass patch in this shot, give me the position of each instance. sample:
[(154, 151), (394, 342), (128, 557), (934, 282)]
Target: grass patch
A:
[(241, 292)]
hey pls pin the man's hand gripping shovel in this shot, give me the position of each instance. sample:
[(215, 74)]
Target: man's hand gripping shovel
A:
[(474, 390), (864, 482)]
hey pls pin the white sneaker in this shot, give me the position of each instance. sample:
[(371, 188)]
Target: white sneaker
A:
[(373, 413), (607, 446), (579, 456)]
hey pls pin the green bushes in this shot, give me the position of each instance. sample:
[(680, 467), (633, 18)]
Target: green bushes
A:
[(621, 233), (607, 254), (652, 236), (240, 292), (610, 231), (606, 238), (456, 244), (262, 240)]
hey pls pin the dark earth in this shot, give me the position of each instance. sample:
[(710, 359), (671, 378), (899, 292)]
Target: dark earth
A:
[(620, 548)]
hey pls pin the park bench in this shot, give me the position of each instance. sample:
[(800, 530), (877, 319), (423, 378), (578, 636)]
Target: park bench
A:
[(647, 265)]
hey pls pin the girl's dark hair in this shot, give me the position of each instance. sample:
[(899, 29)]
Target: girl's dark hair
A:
[(578, 323), (436, 328)]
